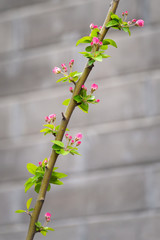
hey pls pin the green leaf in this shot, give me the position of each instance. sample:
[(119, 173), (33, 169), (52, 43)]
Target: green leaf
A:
[(20, 211), (43, 232), (98, 58), (58, 175), (50, 229), (90, 98), (56, 147), (74, 152), (114, 16), (31, 168), (46, 130), (126, 29), (109, 42), (38, 224), (66, 102), (63, 152), (28, 203), (49, 187), (95, 32), (105, 55), (75, 74), (88, 49), (49, 126), (58, 182), (37, 187), (58, 143), (28, 186), (64, 79), (78, 98), (104, 47), (84, 107), (112, 23), (57, 127), (90, 62), (31, 209), (86, 39)]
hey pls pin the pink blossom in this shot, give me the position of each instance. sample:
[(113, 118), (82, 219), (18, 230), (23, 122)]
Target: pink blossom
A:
[(97, 101), (72, 141), (129, 22), (71, 62), (122, 13), (139, 23), (48, 217), (66, 135), (65, 69), (45, 162), (52, 116), (95, 26), (91, 26), (40, 164), (46, 118), (71, 89), (134, 20), (83, 87), (70, 137), (78, 136), (126, 12), (95, 40), (56, 70), (100, 27), (63, 65), (100, 43), (78, 143), (94, 87)]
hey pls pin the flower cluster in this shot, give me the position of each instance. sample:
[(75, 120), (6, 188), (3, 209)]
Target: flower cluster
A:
[(51, 118), (95, 41), (57, 70), (134, 22), (94, 87), (92, 26), (48, 217), (72, 141)]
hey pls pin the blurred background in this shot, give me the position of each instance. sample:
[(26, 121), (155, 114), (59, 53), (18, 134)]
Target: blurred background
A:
[(112, 191)]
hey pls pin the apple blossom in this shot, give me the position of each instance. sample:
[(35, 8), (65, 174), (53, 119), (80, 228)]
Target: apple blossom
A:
[(78, 136), (139, 23), (56, 70)]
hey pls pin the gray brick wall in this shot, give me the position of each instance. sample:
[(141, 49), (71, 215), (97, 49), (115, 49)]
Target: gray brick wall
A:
[(112, 191)]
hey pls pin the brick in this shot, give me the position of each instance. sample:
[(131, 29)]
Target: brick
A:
[(80, 196), (120, 103)]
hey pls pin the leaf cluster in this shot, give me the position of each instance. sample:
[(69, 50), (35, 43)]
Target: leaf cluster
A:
[(29, 210), (83, 100), (59, 148), (41, 229), (117, 23), (72, 77), (38, 173)]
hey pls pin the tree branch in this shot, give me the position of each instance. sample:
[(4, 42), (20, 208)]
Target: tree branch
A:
[(63, 125)]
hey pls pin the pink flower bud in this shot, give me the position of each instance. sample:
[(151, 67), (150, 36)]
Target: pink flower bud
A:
[(95, 26), (46, 118), (70, 137), (40, 164), (95, 40), (83, 87), (78, 136), (92, 43), (129, 22), (71, 62), (56, 70), (71, 89), (52, 117), (100, 43), (139, 23), (45, 162), (72, 141), (78, 143), (122, 13), (48, 217), (97, 101), (126, 12), (100, 27), (63, 65), (66, 135), (94, 87), (134, 20), (91, 26)]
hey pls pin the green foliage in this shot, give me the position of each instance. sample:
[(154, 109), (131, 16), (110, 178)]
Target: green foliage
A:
[(28, 203), (72, 77), (86, 39), (66, 102), (117, 23), (38, 173), (51, 128), (60, 149), (41, 229)]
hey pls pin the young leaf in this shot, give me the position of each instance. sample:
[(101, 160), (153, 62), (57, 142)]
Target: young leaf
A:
[(63, 152), (66, 102), (28, 186), (49, 126), (37, 187), (95, 32), (20, 211), (114, 16), (28, 203), (49, 187), (78, 98), (112, 23), (58, 143), (98, 58), (84, 107), (43, 232), (111, 42), (64, 79), (50, 229), (90, 62), (126, 29), (88, 49), (86, 39), (31, 168)]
